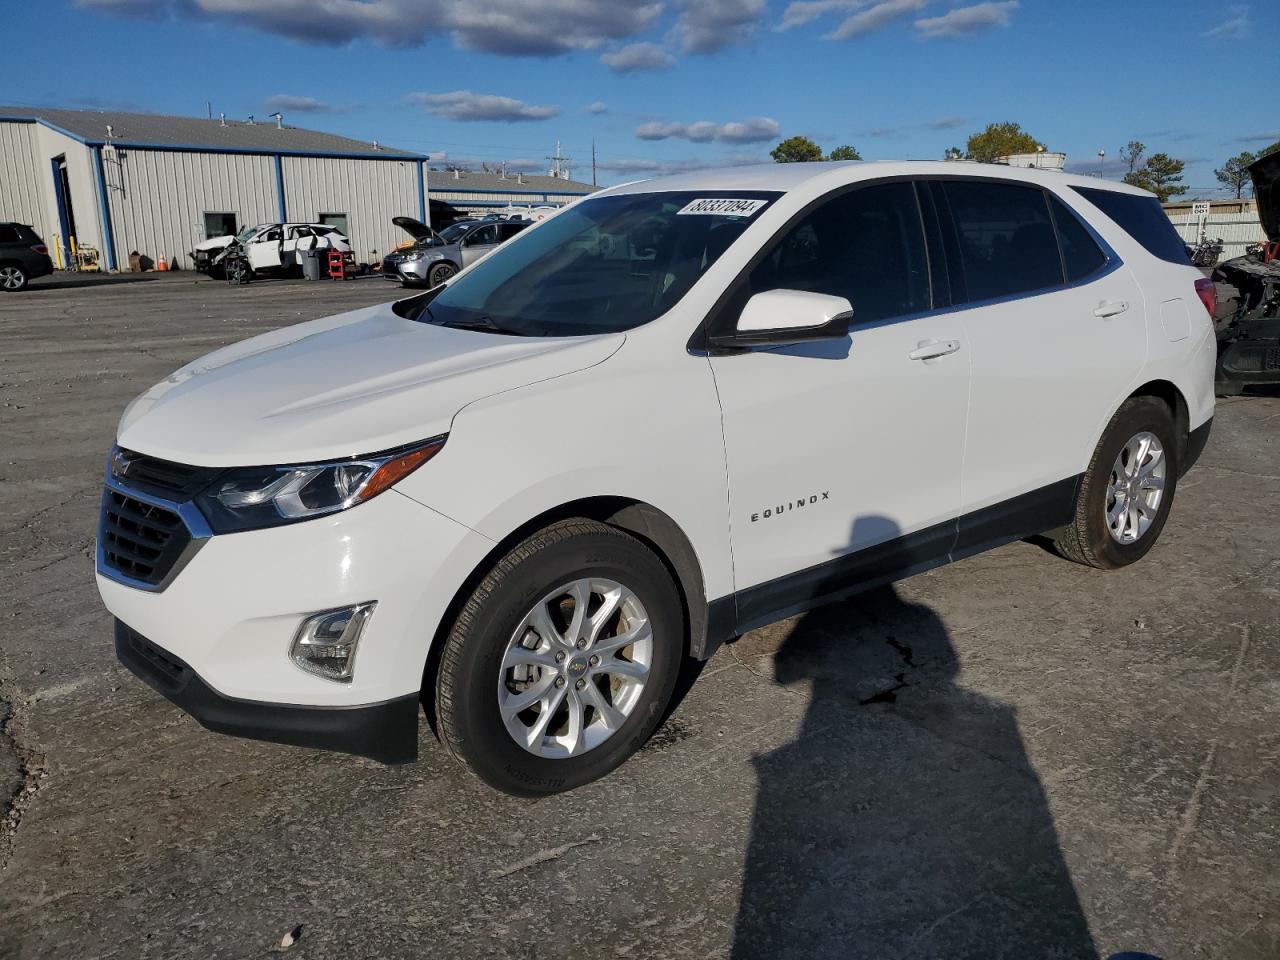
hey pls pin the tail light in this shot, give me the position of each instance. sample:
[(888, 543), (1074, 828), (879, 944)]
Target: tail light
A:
[(41, 248), (1208, 294)]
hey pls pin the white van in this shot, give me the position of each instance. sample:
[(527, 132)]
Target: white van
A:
[(674, 412)]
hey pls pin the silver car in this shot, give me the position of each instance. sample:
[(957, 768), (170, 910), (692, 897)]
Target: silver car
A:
[(435, 257)]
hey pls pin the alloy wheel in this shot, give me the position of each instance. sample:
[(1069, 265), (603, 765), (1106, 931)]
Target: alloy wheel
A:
[(575, 668), (1135, 488), (11, 278)]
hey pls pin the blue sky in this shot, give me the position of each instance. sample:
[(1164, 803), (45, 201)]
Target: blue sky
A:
[(672, 84)]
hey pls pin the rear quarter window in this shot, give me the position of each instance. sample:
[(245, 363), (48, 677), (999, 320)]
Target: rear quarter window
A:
[(1081, 255), (9, 234), (1143, 219)]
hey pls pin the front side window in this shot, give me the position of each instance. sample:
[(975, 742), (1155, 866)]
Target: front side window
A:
[(603, 265), (866, 246), (483, 237), (1007, 241)]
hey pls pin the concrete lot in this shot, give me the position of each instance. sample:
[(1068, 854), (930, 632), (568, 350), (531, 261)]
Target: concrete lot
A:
[(1010, 757)]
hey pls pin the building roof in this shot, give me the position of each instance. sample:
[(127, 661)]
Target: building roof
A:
[(442, 181), (197, 133)]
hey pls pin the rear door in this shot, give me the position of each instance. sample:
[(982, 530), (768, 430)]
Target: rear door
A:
[(1057, 330)]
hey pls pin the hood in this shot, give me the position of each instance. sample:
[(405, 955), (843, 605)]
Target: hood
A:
[(415, 228), (1266, 181), (215, 243), (353, 384)]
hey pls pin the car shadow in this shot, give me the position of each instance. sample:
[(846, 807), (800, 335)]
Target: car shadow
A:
[(98, 280), (905, 818)]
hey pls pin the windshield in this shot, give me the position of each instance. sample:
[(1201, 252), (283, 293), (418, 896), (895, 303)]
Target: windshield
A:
[(244, 235), (453, 233), (599, 266)]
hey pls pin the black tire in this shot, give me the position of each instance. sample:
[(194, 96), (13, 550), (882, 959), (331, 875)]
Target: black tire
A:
[(13, 277), (439, 273), (1088, 540), (469, 720)]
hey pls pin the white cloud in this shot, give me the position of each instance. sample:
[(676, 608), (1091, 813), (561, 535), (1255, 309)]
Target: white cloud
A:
[(875, 17), (638, 56), (753, 130), (963, 21), (946, 123), (800, 12), (468, 106), (708, 26), (597, 108), (633, 166), (285, 102), (524, 28), (1234, 27), (1263, 136)]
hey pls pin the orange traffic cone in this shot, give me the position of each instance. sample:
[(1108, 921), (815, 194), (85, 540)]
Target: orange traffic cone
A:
[(162, 266)]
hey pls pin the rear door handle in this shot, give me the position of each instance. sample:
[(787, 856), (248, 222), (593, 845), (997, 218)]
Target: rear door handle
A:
[(1109, 308), (932, 349)]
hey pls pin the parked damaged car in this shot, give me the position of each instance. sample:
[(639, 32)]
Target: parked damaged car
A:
[(1249, 343), (435, 257), (266, 249)]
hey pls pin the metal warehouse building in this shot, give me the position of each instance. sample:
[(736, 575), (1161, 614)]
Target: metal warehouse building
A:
[(475, 192), (159, 185)]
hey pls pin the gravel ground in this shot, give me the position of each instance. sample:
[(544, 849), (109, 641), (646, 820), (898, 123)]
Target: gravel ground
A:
[(1010, 757)]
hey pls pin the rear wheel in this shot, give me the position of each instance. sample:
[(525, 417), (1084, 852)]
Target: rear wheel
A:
[(12, 277), (562, 661), (1126, 493)]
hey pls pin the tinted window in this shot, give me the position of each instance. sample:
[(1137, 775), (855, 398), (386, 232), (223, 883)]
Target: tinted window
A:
[(509, 230), (9, 234), (1081, 254), (1007, 243), (866, 246), (1143, 219), (485, 235), (604, 264)]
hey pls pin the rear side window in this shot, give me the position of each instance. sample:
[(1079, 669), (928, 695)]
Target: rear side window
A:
[(9, 234), (866, 246), (1081, 255), (1142, 218), (1007, 241)]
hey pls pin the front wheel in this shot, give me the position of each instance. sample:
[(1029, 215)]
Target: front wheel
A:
[(12, 278), (440, 273), (1126, 492), (562, 661)]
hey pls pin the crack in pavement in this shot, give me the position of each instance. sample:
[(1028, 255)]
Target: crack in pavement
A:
[(32, 772)]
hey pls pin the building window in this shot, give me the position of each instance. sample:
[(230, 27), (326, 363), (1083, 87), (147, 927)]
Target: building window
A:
[(338, 221), (219, 225)]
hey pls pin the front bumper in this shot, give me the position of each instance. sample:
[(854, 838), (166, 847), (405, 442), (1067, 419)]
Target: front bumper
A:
[(386, 732)]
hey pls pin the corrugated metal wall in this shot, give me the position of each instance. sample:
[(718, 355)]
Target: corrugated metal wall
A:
[(22, 195), (158, 199), (1237, 230), (369, 192)]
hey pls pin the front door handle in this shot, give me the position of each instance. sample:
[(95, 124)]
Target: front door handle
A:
[(932, 349), (1109, 308)]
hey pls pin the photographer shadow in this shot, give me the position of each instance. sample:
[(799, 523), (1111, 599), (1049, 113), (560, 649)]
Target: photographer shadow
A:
[(905, 819)]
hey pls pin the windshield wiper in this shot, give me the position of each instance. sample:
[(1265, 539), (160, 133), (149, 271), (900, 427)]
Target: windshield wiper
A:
[(483, 322)]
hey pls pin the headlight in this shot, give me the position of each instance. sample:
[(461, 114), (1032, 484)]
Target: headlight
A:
[(253, 497), (412, 257)]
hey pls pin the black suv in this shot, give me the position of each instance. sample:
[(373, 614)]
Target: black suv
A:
[(23, 256)]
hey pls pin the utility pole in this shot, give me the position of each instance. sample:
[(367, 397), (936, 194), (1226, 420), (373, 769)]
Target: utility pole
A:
[(559, 165), (593, 161)]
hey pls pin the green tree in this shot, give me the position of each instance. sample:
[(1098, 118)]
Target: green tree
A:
[(796, 150), (952, 153), (1131, 154), (1271, 149), (1000, 140), (1161, 174), (1235, 172), (844, 152)]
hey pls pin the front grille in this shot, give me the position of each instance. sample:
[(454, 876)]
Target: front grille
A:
[(1272, 361), (140, 540), (165, 476)]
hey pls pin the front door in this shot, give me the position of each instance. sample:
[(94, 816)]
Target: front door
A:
[(850, 447), (264, 250), (478, 243)]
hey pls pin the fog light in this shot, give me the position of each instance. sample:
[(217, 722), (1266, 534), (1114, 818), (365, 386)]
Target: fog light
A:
[(326, 642)]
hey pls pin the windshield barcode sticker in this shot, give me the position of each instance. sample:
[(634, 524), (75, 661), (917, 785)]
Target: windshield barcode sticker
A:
[(722, 207)]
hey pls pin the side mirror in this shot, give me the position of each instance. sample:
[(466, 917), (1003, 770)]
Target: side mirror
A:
[(779, 317)]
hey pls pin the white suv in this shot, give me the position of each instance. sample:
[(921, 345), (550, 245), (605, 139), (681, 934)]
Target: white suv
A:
[(675, 412)]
